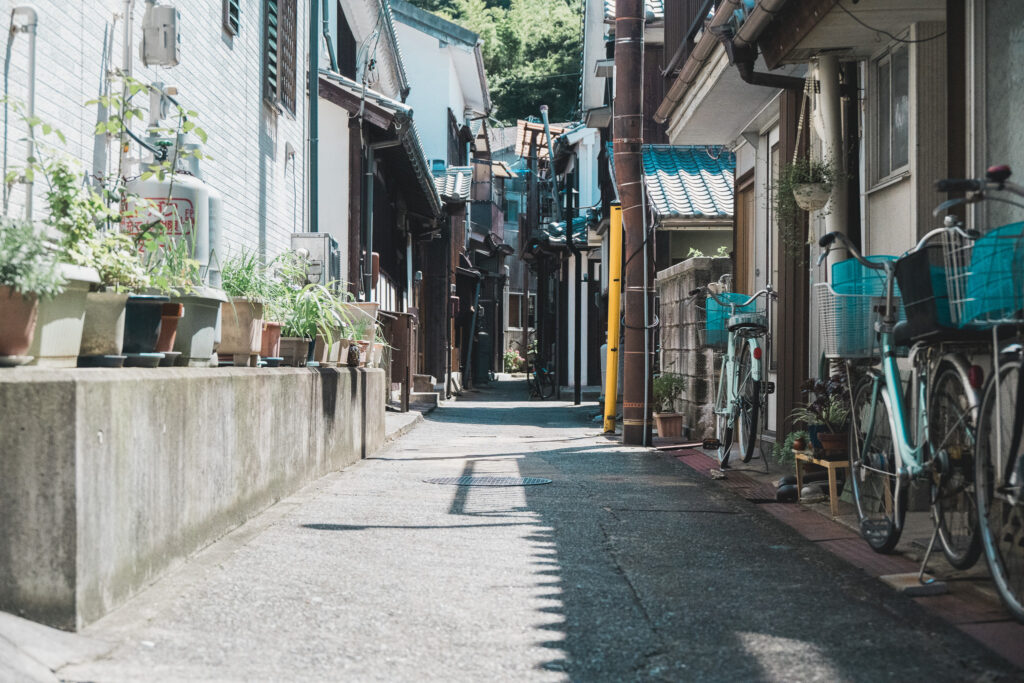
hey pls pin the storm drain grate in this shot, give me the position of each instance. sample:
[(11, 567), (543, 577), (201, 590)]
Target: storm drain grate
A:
[(488, 481)]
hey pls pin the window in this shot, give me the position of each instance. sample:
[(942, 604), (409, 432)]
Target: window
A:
[(232, 12), (512, 208), (279, 54), (515, 309), (892, 117)]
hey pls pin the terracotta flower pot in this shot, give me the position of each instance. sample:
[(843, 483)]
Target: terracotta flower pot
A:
[(669, 424), (170, 314), (271, 346), (834, 445), (17, 321), (799, 445)]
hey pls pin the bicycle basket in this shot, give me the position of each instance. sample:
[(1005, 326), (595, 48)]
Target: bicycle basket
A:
[(721, 318), (922, 279), (849, 308), (989, 286)]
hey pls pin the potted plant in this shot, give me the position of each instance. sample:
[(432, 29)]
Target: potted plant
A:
[(121, 272), (250, 285), (797, 440), (826, 415), (28, 272), (314, 314), (804, 185), (668, 387)]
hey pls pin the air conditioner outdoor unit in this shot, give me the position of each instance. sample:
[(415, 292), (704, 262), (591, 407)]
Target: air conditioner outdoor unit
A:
[(322, 256)]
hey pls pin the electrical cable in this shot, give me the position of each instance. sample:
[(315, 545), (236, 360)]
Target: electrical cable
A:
[(906, 41)]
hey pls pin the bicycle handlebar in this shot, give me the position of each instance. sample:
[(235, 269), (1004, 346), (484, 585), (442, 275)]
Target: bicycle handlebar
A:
[(996, 179), (767, 291)]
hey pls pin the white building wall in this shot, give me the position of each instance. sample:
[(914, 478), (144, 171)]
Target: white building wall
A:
[(219, 76), (431, 77), (334, 174)]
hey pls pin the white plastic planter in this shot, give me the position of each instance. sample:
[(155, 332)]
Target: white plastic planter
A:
[(103, 332), (60, 320)]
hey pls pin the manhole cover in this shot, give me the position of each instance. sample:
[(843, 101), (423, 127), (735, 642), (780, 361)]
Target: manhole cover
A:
[(488, 481)]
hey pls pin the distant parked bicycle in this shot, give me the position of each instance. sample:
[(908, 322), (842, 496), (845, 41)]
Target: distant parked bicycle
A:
[(735, 326), (540, 379)]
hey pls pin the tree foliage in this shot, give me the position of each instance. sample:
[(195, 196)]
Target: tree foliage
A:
[(531, 51)]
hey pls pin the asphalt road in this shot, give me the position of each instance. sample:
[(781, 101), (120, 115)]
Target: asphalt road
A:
[(628, 566)]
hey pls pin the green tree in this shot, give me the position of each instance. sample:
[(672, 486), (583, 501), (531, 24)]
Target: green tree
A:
[(531, 51)]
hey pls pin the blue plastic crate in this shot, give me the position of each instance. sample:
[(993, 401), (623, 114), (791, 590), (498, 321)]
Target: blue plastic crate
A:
[(995, 279), (851, 277), (718, 317)]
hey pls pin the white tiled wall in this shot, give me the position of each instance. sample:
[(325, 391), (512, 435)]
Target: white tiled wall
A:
[(219, 76)]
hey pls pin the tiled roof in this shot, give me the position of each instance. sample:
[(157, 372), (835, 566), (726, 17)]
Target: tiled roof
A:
[(555, 232), (454, 183), (654, 10), (689, 181)]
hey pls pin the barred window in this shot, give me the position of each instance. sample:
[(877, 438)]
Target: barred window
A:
[(279, 53), (232, 16)]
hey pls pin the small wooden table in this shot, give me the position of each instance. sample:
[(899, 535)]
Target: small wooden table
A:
[(830, 465)]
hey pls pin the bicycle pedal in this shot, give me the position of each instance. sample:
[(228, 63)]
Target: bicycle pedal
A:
[(710, 444), (769, 388)]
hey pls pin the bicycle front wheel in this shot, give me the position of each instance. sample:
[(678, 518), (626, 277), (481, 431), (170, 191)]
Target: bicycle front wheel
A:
[(951, 438), (880, 507), (1000, 508), (547, 384), (749, 407)]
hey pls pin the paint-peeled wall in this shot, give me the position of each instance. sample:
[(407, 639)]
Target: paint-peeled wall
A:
[(219, 76)]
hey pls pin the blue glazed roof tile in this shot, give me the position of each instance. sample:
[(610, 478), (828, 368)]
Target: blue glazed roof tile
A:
[(689, 181)]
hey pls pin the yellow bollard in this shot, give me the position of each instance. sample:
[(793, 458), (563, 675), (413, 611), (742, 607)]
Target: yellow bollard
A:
[(611, 388)]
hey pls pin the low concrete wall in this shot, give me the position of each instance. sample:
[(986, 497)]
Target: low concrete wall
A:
[(681, 351), (110, 477)]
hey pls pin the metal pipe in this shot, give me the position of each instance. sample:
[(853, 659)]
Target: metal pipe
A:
[(577, 291), (467, 380), (314, 116), (611, 382), (327, 36), (31, 19), (127, 28), (828, 77), (551, 162)]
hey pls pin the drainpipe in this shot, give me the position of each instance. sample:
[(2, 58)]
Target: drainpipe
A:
[(30, 17), (314, 116), (370, 172), (467, 380), (327, 36), (828, 77), (128, 13)]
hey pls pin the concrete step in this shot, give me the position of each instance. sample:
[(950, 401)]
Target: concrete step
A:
[(428, 398), (423, 383)]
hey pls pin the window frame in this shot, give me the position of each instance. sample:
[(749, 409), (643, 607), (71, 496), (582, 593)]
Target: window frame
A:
[(883, 160), (280, 41), (232, 17)]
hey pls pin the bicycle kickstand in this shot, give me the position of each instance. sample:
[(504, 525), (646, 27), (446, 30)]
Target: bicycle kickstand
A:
[(927, 555)]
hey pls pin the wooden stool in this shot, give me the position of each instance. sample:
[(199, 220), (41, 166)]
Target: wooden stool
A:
[(830, 465)]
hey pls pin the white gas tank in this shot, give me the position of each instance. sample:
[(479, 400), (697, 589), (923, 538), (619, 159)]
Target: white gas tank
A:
[(182, 203)]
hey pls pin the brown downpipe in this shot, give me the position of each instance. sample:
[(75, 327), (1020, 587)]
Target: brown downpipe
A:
[(627, 147)]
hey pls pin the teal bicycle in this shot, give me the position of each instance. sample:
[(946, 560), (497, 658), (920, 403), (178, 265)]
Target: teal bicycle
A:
[(736, 326), (923, 429)]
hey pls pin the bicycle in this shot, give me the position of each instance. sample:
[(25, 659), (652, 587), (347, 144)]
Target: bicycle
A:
[(891, 443), (540, 380), (734, 325), (988, 290)]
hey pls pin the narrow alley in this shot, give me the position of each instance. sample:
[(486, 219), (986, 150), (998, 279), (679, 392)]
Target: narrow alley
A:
[(628, 565)]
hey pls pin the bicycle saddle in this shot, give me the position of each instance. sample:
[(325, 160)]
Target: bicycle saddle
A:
[(748, 323)]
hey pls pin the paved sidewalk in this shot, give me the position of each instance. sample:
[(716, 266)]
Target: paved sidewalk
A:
[(628, 566)]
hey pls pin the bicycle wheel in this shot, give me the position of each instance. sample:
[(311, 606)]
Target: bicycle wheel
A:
[(1000, 509), (750, 403), (723, 432), (880, 507), (951, 423), (547, 384)]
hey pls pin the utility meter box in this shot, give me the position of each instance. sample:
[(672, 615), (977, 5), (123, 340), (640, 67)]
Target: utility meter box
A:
[(322, 256), (161, 44)]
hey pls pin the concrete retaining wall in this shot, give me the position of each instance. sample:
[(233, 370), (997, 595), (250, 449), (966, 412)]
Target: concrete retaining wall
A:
[(108, 478), (681, 351)]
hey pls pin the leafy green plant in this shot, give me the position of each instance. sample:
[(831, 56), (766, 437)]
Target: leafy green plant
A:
[(782, 451), (668, 387), (117, 259), (787, 213), (26, 265), (828, 404), (311, 311), (169, 262), (512, 361), (721, 252), (246, 276)]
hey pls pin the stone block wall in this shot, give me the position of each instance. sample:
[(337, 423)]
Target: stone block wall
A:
[(681, 351)]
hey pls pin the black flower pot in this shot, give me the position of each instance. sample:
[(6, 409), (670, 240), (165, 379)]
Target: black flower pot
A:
[(142, 322)]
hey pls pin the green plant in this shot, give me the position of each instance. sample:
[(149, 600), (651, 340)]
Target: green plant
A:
[(512, 361), (311, 311), (721, 252), (668, 387), (77, 211), (246, 276), (783, 451), (828, 404), (26, 265), (117, 259), (787, 212), (169, 263), (359, 326)]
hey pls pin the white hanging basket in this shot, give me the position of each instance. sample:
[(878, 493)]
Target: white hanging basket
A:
[(812, 196)]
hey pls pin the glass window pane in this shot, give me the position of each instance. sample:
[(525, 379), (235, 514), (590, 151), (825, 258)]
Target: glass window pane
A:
[(883, 119), (900, 107)]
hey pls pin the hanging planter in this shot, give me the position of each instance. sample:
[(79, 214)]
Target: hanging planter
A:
[(812, 196)]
